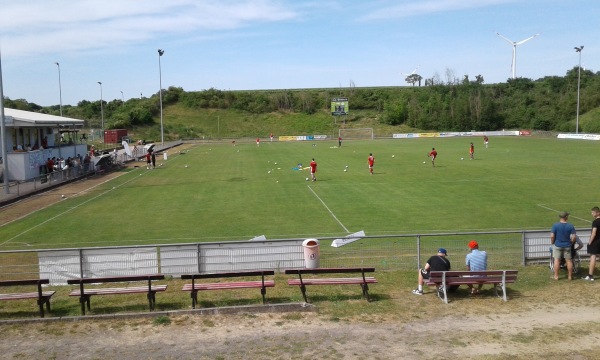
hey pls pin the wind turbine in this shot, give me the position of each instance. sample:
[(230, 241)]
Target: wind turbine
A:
[(514, 45), (413, 72)]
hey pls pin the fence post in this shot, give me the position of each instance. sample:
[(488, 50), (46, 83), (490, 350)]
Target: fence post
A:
[(81, 263), (198, 256), (418, 251), (524, 257)]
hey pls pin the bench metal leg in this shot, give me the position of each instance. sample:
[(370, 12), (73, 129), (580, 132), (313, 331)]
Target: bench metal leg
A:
[(263, 292), (151, 299), (84, 299), (194, 296), (303, 289), (40, 303), (365, 291)]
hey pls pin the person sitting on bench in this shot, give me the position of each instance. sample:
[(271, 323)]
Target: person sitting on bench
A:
[(476, 260), (437, 262)]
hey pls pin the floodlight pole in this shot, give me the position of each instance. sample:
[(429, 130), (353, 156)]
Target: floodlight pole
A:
[(122, 97), (578, 50), (2, 134), (101, 108), (162, 133), (59, 88)]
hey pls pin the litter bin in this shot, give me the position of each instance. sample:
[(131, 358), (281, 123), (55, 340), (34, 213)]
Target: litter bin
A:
[(165, 155), (311, 253)]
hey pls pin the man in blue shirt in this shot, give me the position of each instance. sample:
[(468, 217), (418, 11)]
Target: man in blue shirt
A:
[(476, 261), (562, 236)]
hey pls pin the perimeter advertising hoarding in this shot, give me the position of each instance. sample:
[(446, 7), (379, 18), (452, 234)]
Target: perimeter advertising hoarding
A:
[(339, 106)]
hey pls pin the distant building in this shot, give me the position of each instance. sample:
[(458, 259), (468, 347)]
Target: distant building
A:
[(31, 138)]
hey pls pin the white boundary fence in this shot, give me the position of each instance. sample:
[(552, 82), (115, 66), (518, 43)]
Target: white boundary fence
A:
[(390, 252)]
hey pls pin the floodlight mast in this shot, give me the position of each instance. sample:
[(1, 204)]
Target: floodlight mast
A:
[(514, 45)]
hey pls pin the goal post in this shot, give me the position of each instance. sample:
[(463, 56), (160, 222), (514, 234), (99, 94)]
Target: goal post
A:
[(357, 134)]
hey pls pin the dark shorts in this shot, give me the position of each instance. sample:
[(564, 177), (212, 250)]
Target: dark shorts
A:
[(594, 248), (425, 274)]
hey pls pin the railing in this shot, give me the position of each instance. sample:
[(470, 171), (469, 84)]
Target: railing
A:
[(505, 249)]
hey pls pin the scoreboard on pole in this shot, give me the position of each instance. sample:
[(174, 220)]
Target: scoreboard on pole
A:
[(339, 106)]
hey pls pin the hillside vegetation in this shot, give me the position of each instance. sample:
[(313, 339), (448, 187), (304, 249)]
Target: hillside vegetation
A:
[(547, 104)]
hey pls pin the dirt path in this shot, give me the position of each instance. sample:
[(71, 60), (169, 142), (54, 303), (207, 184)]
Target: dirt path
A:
[(533, 334)]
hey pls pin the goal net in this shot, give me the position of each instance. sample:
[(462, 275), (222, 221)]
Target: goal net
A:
[(362, 133)]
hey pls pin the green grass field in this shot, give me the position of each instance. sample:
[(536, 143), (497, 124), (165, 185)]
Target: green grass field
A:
[(227, 193)]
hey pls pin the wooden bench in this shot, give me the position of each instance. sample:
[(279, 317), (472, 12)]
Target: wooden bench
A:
[(302, 282), (43, 297), (261, 284), (85, 294), (498, 278)]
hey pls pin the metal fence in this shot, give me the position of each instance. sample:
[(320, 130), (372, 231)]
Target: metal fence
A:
[(505, 249)]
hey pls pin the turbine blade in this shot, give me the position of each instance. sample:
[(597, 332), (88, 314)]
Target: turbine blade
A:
[(507, 40), (529, 38)]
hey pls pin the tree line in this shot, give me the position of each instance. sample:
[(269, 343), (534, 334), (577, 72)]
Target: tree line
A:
[(548, 103)]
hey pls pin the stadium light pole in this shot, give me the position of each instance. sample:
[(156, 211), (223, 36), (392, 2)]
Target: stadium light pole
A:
[(578, 50), (122, 98), (59, 88), (101, 108), (162, 134), (2, 134)]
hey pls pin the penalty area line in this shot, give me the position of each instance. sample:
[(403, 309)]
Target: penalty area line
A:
[(557, 211), (330, 212)]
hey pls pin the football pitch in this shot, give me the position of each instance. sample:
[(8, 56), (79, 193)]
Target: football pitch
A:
[(220, 192)]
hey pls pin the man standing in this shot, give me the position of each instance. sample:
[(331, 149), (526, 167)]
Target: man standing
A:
[(562, 236), (371, 161), (593, 247), (485, 141), (313, 169), (438, 262), (476, 261), (472, 152), (257, 141), (432, 154), (339, 141)]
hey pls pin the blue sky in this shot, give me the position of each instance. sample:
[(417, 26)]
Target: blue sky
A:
[(285, 44)]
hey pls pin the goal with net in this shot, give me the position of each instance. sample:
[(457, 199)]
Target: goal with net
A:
[(361, 133)]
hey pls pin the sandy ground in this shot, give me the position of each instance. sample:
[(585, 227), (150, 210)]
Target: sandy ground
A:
[(308, 336)]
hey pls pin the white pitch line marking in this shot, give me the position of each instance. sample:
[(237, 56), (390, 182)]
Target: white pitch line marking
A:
[(331, 212), (557, 211)]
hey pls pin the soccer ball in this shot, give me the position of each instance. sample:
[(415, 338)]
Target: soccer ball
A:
[(424, 162), (345, 170), (306, 179), (186, 166), (268, 172), (346, 166), (393, 155), (462, 158), (63, 196)]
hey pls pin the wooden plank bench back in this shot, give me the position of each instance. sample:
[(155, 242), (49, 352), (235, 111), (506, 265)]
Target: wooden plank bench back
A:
[(43, 297), (261, 284), (302, 282), (85, 293), (497, 278)]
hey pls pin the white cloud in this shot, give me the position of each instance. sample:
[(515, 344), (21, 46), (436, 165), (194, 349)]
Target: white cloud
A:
[(41, 26), (423, 7)]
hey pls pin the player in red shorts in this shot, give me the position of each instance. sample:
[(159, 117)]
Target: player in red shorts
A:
[(472, 152), (371, 161), (432, 154), (313, 169)]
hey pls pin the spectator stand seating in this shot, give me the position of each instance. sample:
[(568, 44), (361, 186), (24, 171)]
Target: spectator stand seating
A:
[(86, 293), (195, 286), (445, 279), (303, 281), (43, 297)]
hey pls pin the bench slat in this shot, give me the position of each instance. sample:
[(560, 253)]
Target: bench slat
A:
[(229, 285), (30, 295), (333, 281), (328, 270), (115, 291), (488, 277)]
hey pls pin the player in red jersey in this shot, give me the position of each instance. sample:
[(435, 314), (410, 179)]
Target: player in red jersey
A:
[(472, 152), (313, 169), (432, 154), (371, 161), (257, 142), (485, 140)]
